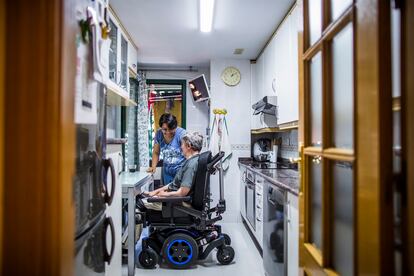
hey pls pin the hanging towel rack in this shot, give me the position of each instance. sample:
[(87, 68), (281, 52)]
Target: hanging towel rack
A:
[(222, 111)]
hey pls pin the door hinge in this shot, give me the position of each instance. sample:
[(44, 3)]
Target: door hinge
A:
[(397, 4)]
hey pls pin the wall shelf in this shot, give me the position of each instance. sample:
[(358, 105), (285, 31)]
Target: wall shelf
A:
[(117, 96), (289, 125), (280, 128)]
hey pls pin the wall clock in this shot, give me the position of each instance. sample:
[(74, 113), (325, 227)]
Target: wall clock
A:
[(231, 76)]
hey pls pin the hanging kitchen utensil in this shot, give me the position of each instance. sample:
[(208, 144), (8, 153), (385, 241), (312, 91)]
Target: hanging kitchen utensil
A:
[(105, 28), (85, 31)]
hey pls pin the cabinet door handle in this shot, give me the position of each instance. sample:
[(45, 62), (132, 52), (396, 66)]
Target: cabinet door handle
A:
[(258, 219), (288, 211), (107, 163), (108, 256)]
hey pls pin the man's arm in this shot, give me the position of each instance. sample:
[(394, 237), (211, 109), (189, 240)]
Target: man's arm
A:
[(159, 190), (183, 191)]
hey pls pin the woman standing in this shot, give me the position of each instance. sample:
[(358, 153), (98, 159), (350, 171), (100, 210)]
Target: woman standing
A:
[(168, 144)]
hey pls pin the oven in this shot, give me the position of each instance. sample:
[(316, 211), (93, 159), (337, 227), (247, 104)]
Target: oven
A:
[(250, 191)]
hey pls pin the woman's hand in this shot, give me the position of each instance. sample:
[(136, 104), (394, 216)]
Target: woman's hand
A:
[(151, 170)]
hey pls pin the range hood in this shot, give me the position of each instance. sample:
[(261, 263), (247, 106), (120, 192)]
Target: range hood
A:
[(267, 105)]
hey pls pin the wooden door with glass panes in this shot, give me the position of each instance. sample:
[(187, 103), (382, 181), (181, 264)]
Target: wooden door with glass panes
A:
[(343, 210)]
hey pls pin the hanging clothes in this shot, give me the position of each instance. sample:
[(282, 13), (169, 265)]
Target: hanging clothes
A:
[(219, 139)]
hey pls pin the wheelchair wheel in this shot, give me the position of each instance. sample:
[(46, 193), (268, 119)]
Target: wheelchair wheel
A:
[(148, 258), (180, 251), (227, 239), (225, 255)]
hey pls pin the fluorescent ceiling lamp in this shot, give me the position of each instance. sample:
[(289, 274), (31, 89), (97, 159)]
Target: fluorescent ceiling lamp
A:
[(206, 15)]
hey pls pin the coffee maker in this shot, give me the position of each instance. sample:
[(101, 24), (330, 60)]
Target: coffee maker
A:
[(262, 150)]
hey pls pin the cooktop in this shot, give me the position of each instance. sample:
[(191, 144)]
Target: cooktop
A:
[(272, 165)]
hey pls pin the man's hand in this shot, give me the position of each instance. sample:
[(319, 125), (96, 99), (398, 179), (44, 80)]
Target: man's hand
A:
[(153, 193), (163, 194)]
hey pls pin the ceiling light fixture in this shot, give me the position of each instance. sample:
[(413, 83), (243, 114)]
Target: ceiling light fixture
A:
[(206, 15)]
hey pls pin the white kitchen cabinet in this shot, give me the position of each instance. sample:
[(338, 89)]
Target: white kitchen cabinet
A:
[(242, 191), (121, 51), (258, 94), (115, 210), (292, 210), (253, 94), (277, 69), (269, 68), (260, 77), (132, 57), (259, 209), (118, 55), (287, 75)]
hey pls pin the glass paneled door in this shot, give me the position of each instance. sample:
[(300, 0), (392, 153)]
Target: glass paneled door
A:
[(334, 128)]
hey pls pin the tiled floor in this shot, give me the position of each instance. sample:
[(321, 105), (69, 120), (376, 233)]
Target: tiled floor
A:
[(247, 261)]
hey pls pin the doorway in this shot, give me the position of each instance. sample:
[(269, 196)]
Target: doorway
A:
[(165, 96)]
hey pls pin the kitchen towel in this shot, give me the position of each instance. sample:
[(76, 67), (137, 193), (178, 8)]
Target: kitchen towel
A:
[(219, 139)]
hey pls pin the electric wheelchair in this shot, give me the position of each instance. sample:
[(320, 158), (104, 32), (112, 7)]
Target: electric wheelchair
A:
[(185, 230)]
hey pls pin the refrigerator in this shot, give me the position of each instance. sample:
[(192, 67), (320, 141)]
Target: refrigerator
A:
[(95, 179), (94, 231)]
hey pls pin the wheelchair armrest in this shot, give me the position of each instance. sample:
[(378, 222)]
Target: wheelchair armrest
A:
[(169, 199)]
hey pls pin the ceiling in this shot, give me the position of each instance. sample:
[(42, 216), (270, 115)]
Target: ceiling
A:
[(167, 31)]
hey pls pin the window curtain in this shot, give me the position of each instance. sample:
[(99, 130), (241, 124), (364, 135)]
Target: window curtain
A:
[(143, 120), (131, 131)]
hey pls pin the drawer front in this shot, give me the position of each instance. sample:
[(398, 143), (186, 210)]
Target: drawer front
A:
[(259, 231), (259, 213), (250, 175), (259, 184)]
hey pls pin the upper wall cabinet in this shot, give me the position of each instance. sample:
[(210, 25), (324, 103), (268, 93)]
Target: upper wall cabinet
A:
[(132, 59), (269, 80), (276, 73), (259, 78), (287, 75), (122, 55)]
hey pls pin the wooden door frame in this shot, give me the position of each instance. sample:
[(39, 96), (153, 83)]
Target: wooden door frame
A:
[(40, 138), (374, 221), (2, 92), (407, 99), (373, 226)]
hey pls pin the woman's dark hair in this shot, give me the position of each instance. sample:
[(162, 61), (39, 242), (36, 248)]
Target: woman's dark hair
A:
[(168, 119)]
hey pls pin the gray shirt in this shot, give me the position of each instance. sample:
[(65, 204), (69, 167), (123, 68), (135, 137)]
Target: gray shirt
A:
[(185, 175)]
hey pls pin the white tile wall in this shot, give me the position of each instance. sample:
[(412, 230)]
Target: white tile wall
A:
[(237, 102)]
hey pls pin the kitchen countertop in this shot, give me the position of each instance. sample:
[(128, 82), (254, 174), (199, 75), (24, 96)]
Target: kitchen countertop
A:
[(287, 179), (115, 141), (128, 179)]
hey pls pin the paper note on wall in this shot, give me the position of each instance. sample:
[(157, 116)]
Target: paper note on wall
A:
[(85, 88)]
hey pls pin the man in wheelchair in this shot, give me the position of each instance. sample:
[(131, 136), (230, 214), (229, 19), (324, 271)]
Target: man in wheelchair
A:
[(191, 145), (182, 224)]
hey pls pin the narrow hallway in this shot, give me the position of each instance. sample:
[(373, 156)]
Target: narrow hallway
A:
[(247, 261)]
